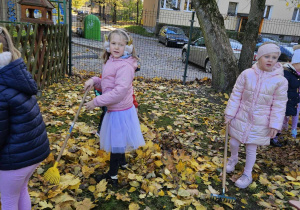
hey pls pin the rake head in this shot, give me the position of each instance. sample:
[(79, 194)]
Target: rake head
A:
[(52, 175), (223, 198)]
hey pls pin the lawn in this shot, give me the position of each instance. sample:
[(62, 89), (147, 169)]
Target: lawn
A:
[(180, 165)]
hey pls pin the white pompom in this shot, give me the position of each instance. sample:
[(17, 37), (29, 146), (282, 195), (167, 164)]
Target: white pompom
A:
[(128, 49), (106, 46), (5, 58)]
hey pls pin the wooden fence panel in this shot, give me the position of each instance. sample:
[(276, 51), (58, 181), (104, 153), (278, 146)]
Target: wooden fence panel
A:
[(44, 49)]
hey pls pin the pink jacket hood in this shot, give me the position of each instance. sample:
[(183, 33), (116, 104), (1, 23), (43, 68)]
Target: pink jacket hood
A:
[(116, 84), (257, 103)]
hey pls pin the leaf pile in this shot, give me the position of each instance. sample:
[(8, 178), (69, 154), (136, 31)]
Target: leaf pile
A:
[(179, 167)]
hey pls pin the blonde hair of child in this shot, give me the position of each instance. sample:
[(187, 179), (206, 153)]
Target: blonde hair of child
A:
[(11, 48), (120, 32)]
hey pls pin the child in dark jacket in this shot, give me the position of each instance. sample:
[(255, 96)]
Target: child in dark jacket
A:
[(23, 137), (292, 74)]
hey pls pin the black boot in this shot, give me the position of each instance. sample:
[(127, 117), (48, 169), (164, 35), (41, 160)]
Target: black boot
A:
[(275, 141)]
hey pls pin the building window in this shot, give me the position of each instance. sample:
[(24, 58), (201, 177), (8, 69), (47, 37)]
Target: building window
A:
[(268, 12), (170, 4), (296, 15), (188, 5), (232, 9)]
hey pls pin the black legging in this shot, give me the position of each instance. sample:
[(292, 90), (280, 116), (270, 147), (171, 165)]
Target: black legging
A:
[(116, 160)]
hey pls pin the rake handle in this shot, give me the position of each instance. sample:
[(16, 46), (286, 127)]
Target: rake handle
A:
[(225, 159), (71, 128)]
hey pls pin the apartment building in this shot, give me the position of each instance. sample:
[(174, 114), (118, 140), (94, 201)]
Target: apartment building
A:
[(281, 20)]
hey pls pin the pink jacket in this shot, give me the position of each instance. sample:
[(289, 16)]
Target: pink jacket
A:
[(257, 103), (116, 84)]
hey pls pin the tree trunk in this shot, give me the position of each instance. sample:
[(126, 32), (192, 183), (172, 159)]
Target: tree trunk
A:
[(223, 63), (115, 13), (251, 33), (137, 12)]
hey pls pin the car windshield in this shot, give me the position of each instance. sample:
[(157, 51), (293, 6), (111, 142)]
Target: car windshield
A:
[(174, 31), (267, 40)]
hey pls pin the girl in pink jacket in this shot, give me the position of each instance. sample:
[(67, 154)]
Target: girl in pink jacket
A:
[(120, 130), (256, 109)]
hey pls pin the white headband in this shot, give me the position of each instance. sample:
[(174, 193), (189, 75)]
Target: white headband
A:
[(128, 47)]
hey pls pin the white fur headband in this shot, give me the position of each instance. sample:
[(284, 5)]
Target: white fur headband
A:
[(128, 47)]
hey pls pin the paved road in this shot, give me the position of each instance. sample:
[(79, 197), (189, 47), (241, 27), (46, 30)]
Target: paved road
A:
[(156, 59)]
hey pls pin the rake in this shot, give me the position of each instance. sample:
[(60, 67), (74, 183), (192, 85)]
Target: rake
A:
[(223, 197), (52, 174), (1, 48)]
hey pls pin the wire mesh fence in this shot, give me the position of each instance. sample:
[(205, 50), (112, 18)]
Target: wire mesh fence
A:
[(161, 53), (156, 59)]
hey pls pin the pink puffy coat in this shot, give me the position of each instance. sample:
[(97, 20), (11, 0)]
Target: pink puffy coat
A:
[(116, 84), (257, 103)]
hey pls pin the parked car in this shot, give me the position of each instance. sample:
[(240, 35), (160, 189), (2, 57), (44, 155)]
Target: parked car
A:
[(198, 53), (172, 36)]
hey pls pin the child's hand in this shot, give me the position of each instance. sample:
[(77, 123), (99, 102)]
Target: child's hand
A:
[(90, 105), (273, 132), (88, 85)]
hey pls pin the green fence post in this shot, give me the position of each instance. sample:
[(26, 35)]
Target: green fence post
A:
[(188, 50), (70, 37)]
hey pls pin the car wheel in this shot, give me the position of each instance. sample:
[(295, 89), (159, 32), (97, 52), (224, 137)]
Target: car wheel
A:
[(207, 67), (183, 57), (167, 43)]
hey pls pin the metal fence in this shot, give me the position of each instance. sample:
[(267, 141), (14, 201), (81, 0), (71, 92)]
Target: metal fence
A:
[(156, 59)]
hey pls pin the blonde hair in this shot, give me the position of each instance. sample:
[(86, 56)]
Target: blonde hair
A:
[(11, 48), (123, 33)]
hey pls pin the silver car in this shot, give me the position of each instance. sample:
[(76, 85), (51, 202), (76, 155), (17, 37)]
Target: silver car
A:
[(198, 52)]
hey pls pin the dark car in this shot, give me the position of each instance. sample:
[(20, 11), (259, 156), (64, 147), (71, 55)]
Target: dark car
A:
[(172, 36)]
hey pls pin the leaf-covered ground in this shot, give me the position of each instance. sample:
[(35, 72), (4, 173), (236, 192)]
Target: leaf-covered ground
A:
[(179, 167)]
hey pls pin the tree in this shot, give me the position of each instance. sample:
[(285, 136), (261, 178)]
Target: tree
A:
[(223, 62), (224, 65), (78, 3), (250, 36)]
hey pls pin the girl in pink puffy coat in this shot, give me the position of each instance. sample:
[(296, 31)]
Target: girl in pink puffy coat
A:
[(120, 130), (256, 109)]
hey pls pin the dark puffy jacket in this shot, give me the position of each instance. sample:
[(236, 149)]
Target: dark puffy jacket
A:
[(293, 92), (23, 136)]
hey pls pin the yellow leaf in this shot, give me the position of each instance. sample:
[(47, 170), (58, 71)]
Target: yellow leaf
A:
[(134, 184), (226, 96), (229, 204), (290, 193), (131, 176), (86, 204), (144, 128), (87, 171), (265, 204), (180, 166), (298, 5), (244, 201), (63, 198), (183, 193), (161, 193), (92, 188), (287, 4), (290, 178), (253, 185), (132, 189), (101, 186), (44, 205), (141, 196), (158, 163), (167, 172), (134, 206), (279, 194), (212, 190)]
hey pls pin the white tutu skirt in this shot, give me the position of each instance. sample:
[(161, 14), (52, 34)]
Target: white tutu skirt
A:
[(121, 132)]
